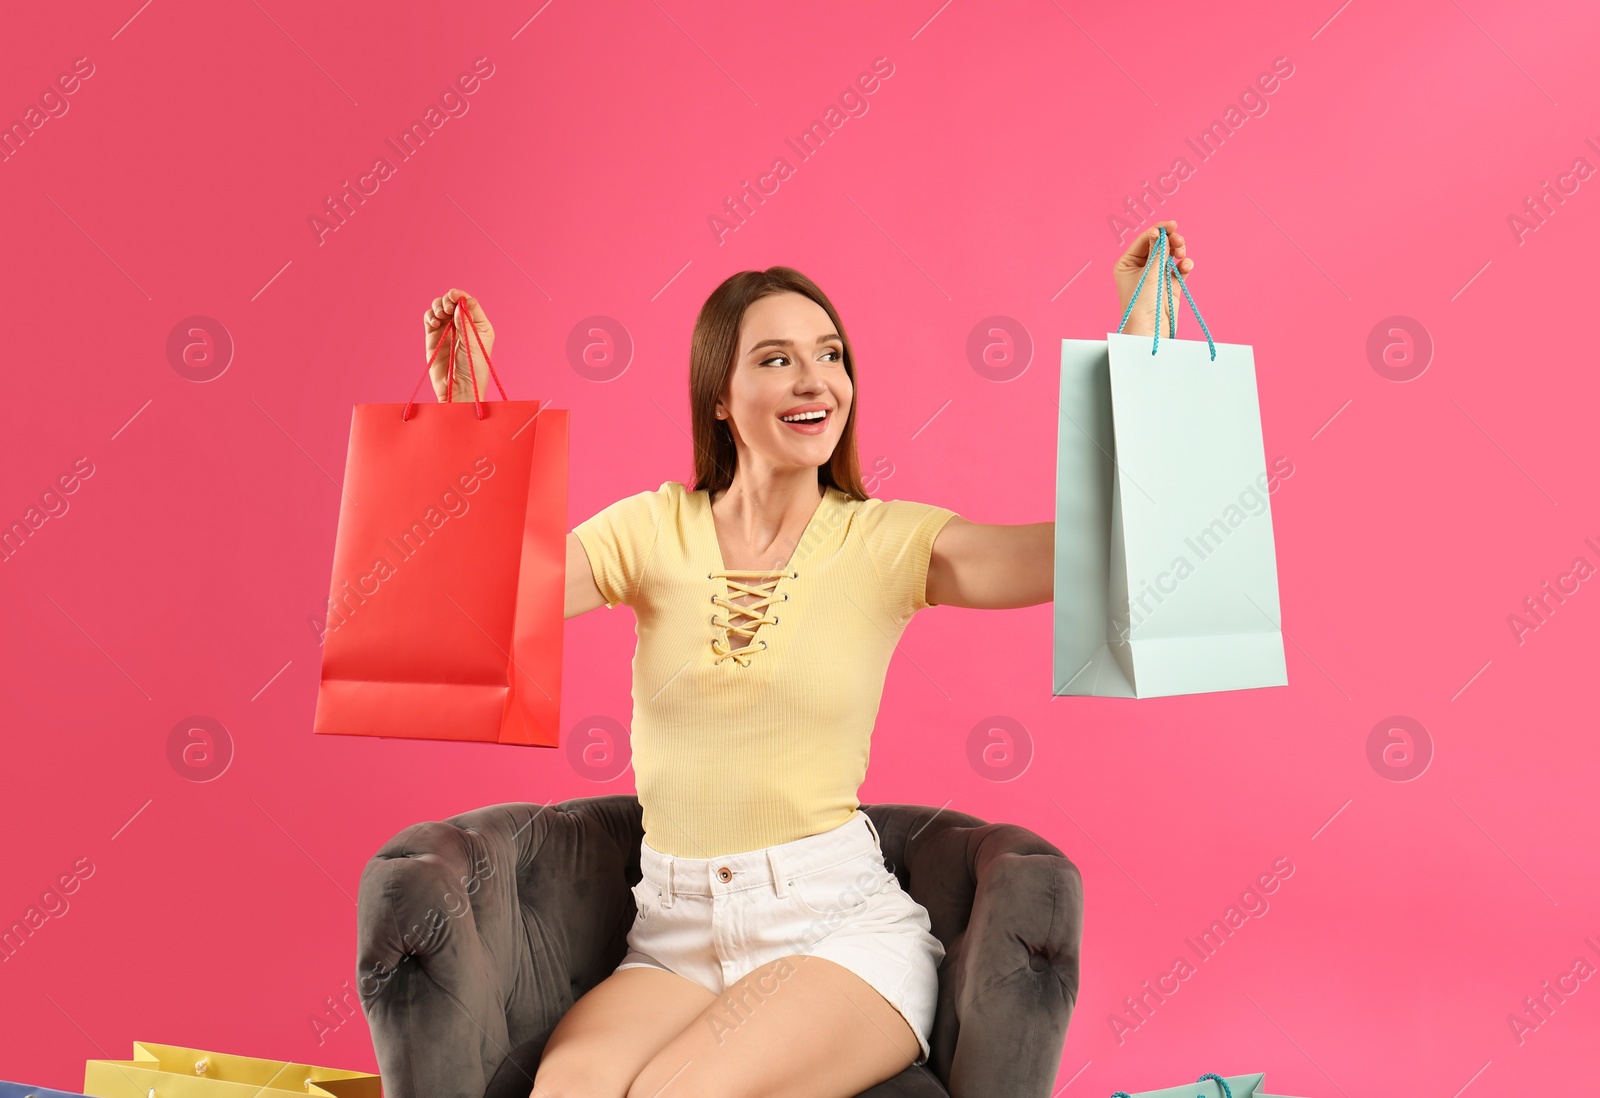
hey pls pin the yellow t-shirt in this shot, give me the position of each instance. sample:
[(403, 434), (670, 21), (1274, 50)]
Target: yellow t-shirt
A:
[(742, 742)]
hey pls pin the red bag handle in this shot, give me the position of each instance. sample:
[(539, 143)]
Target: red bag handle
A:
[(453, 326)]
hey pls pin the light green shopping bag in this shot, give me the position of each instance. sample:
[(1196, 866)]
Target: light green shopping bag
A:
[(1209, 1086), (1166, 578)]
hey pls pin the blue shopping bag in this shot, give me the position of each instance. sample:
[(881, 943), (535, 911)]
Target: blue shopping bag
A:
[(18, 1090)]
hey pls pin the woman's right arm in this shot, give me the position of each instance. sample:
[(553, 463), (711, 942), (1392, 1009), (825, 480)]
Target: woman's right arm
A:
[(581, 595)]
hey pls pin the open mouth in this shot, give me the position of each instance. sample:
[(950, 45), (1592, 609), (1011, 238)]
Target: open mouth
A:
[(808, 423)]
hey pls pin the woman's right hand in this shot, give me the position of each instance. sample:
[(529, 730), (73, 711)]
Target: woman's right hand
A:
[(457, 304)]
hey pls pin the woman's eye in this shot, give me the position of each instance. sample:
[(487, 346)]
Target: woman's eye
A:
[(837, 357)]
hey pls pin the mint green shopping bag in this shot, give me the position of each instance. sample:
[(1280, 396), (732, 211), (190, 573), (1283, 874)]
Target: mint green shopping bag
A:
[(1209, 1086), (1166, 578)]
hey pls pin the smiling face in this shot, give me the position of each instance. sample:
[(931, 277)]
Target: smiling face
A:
[(790, 361)]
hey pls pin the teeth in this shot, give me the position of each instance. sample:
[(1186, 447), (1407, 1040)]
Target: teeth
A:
[(803, 416)]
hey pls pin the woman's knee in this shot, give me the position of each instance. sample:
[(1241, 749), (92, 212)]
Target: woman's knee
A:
[(600, 1046), (579, 1089), (578, 1076)]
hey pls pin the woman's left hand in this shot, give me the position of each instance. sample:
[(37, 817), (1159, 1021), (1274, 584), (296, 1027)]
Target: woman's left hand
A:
[(1142, 321)]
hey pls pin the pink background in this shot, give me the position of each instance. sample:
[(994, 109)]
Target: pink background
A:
[(187, 573)]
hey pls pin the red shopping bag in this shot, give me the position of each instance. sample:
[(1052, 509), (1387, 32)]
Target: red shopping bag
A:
[(449, 571)]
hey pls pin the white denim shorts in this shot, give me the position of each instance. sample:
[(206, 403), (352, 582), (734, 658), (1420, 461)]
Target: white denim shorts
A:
[(713, 920)]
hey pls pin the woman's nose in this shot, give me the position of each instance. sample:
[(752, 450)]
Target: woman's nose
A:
[(810, 379)]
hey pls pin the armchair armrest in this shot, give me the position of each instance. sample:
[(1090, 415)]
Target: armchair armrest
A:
[(477, 933), (1009, 906)]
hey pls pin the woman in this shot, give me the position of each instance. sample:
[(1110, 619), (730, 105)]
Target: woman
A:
[(773, 952)]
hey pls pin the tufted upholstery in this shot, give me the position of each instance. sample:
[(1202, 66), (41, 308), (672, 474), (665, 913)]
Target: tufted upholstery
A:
[(476, 934)]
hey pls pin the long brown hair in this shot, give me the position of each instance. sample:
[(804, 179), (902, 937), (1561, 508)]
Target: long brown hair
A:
[(712, 353)]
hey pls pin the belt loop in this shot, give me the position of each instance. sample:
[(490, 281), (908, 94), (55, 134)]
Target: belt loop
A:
[(873, 828), (666, 899), (778, 884)]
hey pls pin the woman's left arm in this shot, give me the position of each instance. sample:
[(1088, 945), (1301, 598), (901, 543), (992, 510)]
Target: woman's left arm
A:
[(989, 567)]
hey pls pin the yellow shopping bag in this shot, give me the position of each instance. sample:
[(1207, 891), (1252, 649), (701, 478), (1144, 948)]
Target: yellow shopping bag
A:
[(170, 1071)]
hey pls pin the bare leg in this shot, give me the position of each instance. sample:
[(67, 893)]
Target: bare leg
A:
[(798, 1027), (602, 1043)]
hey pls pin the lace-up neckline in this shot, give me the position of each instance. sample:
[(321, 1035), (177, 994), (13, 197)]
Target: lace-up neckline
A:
[(759, 582), (755, 613)]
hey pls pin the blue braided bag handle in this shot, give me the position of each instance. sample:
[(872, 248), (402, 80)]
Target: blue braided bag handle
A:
[(1226, 1090), (1167, 265)]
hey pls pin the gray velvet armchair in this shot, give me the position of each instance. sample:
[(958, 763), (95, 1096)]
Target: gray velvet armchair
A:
[(477, 933)]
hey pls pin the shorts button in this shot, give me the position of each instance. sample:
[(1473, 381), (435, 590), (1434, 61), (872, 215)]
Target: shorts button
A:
[(724, 873)]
